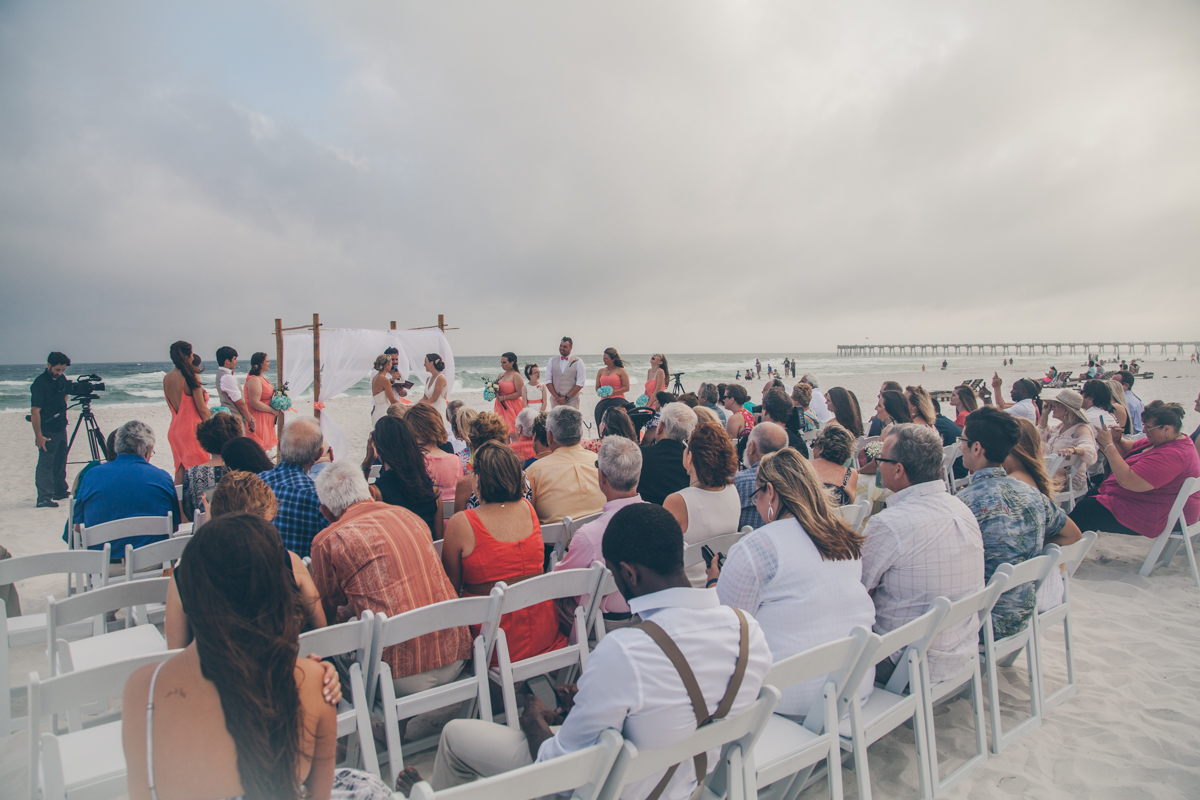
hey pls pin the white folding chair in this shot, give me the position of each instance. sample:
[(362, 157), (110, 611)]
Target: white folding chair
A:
[(1035, 571), (788, 749), (549, 587), (106, 648), (83, 763), (353, 716), (735, 736), (1166, 545), (888, 707), (469, 688), (1054, 463), (375, 470), (198, 519), (29, 629), (855, 515), (124, 528), (558, 535), (447, 509), (581, 773), (1069, 559), (973, 606), (576, 524), (694, 553), (950, 454), (151, 561)]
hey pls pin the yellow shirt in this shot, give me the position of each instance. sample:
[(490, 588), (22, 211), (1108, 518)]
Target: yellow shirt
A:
[(565, 483)]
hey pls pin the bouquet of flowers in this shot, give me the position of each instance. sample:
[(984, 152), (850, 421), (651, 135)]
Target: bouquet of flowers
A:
[(604, 391), (280, 400), (490, 389), (642, 401), (214, 410), (874, 450)]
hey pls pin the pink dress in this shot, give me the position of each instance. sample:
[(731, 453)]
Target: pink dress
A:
[(185, 449), (264, 422), (444, 470), (507, 410), (614, 381)]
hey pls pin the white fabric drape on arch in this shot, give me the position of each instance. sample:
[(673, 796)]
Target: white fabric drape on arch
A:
[(347, 356)]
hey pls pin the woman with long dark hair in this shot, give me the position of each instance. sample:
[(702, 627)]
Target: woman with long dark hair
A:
[(258, 392), (658, 378), (236, 713), (510, 395), (189, 407), (403, 480), (614, 376), (435, 386), (844, 405)]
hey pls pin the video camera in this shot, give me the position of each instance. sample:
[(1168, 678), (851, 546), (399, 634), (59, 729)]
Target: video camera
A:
[(85, 387)]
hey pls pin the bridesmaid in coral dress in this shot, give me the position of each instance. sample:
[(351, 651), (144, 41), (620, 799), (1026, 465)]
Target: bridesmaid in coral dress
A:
[(258, 392), (189, 407), (511, 397), (613, 375), (501, 540), (657, 378)]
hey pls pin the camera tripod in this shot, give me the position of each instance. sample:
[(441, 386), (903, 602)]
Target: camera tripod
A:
[(677, 389), (95, 438)]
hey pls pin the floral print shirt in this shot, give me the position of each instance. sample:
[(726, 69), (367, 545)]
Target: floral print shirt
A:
[(1015, 520)]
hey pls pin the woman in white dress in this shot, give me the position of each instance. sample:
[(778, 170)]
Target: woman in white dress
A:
[(536, 395), (710, 506), (435, 386), (382, 395)]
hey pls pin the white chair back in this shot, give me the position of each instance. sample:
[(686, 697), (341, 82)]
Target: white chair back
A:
[(1167, 544), (94, 605), (79, 763), (581, 773), (123, 528), (155, 556), (734, 735), (199, 519), (694, 553), (447, 509), (353, 716), (855, 515), (375, 470)]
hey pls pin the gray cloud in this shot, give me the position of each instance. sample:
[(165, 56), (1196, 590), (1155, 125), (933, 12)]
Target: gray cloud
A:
[(664, 177)]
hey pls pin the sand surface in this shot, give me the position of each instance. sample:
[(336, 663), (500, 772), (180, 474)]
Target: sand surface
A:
[(1132, 731)]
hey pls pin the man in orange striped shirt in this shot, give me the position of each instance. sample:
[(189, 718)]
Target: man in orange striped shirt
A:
[(380, 557)]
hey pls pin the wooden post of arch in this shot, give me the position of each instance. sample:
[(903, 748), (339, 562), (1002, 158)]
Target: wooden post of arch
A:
[(279, 372)]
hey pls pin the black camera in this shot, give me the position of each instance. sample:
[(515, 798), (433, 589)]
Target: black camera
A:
[(85, 387)]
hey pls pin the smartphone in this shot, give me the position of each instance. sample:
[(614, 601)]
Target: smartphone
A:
[(543, 689), (707, 553)]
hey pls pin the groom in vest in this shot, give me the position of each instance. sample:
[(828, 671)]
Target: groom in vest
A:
[(564, 376)]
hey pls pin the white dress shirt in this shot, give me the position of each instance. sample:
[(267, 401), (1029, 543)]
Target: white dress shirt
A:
[(1025, 409), (801, 600), (580, 377), (925, 544), (631, 686), (229, 384), (819, 407)]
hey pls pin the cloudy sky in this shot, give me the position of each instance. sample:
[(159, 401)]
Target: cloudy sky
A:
[(674, 176)]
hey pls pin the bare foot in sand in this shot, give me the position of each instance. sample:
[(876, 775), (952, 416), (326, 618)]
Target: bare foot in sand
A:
[(407, 780)]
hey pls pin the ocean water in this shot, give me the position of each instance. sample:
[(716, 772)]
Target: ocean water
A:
[(140, 383)]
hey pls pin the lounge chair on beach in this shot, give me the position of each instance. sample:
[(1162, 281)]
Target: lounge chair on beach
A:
[(975, 384)]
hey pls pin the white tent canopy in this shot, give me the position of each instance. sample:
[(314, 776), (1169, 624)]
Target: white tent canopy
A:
[(348, 355)]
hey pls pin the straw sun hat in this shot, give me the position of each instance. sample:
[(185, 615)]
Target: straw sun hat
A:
[(1072, 401)]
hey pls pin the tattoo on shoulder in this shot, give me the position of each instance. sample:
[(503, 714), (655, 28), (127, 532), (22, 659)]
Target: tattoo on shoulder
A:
[(176, 692)]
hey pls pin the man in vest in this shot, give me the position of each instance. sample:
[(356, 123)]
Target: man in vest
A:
[(565, 376), (228, 391)]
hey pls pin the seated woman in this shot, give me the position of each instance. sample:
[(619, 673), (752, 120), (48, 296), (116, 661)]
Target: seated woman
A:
[(891, 409), (710, 506), (1073, 438), (740, 421), (877, 423), (429, 432), (616, 422), (801, 399), (541, 442), (920, 406), (462, 422), (832, 449), (501, 540), (843, 404), (212, 434), (1147, 474), (243, 454), (1119, 407), (1098, 405), (800, 575), (522, 444), (964, 401), (403, 479), (479, 430), (237, 713)]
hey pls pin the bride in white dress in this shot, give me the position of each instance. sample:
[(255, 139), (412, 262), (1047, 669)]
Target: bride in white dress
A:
[(382, 394), (435, 387)]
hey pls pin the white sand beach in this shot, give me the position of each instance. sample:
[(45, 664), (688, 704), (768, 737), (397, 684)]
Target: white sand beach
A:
[(1133, 729)]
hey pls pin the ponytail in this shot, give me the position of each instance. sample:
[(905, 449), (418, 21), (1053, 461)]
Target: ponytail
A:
[(181, 357)]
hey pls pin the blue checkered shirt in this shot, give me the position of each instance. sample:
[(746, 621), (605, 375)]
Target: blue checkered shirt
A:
[(299, 517), (746, 481)]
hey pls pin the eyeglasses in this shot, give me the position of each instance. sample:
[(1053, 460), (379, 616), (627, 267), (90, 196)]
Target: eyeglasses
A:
[(883, 460), (1146, 428), (964, 440), (759, 489)]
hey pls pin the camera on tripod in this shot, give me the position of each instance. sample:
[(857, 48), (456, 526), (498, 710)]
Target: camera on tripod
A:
[(85, 387)]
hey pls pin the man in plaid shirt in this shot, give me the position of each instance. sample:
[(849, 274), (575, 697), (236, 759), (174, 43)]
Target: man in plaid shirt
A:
[(299, 518)]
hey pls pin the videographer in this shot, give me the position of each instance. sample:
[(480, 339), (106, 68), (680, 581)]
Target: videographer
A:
[(49, 418)]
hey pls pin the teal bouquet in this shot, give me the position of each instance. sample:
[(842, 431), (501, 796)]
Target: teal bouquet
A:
[(280, 400), (642, 401), (490, 389), (218, 410), (604, 391)]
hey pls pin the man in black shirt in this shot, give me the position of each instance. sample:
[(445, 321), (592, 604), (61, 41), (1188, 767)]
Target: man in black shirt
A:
[(49, 417)]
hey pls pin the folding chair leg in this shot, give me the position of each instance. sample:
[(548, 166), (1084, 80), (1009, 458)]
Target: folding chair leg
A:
[(1187, 545), (862, 772), (1054, 700)]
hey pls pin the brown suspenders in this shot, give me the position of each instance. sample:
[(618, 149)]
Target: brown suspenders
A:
[(671, 650)]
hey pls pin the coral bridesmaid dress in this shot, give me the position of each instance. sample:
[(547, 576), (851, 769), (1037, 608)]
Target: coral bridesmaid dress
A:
[(264, 421), (185, 449), (508, 409)]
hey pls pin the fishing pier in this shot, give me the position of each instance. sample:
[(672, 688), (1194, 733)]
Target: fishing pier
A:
[(1016, 348)]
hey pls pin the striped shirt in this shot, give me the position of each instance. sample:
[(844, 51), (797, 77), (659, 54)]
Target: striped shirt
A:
[(380, 557)]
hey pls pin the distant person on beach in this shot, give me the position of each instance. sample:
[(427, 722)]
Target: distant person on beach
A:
[(229, 393), (258, 394), (793, 367), (945, 364), (565, 376), (189, 407), (757, 366), (48, 414)]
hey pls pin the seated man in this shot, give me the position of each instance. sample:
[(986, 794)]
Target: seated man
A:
[(1023, 393), (1016, 519), (767, 437), (380, 557), (925, 544), (564, 481), (662, 463), (129, 486), (620, 467), (299, 518), (629, 684)]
